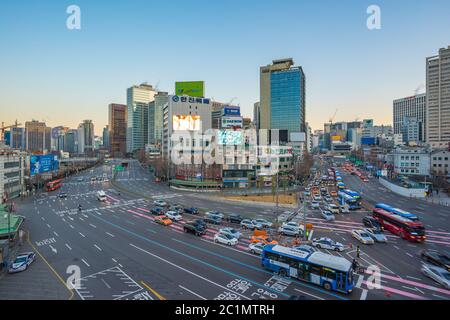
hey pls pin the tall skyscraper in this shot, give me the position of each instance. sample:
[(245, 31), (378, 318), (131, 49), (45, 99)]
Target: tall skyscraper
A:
[(71, 141), (161, 100), (86, 137), (17, 138), (438, 99), (256, 115), (117, 122), (37, 137), (138, 99), (105, 137), (414, 106), (282, 96)]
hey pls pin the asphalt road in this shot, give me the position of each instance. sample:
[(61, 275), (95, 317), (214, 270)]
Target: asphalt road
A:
[(123, 254)]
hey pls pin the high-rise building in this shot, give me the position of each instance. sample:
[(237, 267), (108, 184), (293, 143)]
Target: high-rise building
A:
[(138, 99), (256, 115), (282, 96), (309, 137), (411, 130), (161, 100), (86, 137), (105, 137), (117, 123), (414, 106), (438, 99), (71, 141), (17, 138), (37, 137)]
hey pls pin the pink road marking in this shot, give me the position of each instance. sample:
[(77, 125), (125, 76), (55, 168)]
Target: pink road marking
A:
[(400, 292), (141, 215), (440, 242), (112, 198), (439, 237), (431, 231), (416, 284), (142, 209)]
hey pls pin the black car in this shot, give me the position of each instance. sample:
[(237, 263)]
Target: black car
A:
[(213, 219), (157, 211), (437, 258), (177, 208), (372, 223), (62, 195), (191, 210), (234, 218), (194, 228)]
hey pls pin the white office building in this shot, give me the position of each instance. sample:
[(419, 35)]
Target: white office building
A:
[(411, 161), (411, 107), (12, 165)]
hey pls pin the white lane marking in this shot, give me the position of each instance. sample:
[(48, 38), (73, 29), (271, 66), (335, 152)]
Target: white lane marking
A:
[(100, 249), (192, 292), (54, 232), (82, 235), (396, 247), (186, 270), (409, 254), (309, 294), (114, 260), (72, 226), (224, 246), (106, 284), (438, 296), (92, 225), (359, 282), (363, 295), (417, 279), (49, 226), (68, 247), (85, 262), (110, 234), (43, 218)]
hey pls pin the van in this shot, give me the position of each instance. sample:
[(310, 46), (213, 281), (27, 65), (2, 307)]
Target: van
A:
[(101, 195)]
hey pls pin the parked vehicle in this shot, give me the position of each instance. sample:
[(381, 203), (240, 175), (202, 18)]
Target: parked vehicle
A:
[(22, 262), (362, 237), (437, 274), (249, 224), (230, 231), (225, 239)]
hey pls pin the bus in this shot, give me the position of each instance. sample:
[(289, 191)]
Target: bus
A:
[(53, 185), (352, 193), (405, 228), (325, 270), (353, 204), (399, 212), (340, 185)]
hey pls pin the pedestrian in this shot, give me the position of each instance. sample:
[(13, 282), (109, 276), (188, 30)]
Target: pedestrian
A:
[(358, 251)]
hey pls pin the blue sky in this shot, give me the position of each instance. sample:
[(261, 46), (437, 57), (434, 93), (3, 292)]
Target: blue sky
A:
[(49, 72)]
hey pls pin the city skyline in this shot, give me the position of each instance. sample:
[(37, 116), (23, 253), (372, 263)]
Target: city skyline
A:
[(76, 74)]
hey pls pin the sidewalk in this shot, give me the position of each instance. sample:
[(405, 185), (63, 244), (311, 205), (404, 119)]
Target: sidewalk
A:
[(442, 199)]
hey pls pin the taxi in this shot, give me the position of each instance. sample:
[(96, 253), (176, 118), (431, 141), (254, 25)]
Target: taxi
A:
[(163, 220)]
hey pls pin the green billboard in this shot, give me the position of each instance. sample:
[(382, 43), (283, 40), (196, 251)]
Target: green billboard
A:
[(190, 88)]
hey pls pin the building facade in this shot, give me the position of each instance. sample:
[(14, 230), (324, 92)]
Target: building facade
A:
[(440, 163), (86, 142), (438, 99), (138, 99), (37, 137), (411, 161), (161, 100), (117, 122), (71, 141), (411, 107), (12, 165)]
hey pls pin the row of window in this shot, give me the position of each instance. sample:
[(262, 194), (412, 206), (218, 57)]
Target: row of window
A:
[(440, 158), (407, 158)]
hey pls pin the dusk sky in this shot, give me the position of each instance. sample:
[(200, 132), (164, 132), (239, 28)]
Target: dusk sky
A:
[(48, 72)]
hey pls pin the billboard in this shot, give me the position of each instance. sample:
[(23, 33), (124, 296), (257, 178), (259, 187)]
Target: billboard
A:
[(190, 88), (43, 163), (230, 122), (186, 122), (229, 137), (231, 111), (335, 138), (368, 141), (297, 137)]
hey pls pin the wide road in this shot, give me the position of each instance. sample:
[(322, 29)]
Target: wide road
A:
[(123, 254)]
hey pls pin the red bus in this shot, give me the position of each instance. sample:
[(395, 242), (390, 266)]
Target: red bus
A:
[(53, 185), (406, 229)]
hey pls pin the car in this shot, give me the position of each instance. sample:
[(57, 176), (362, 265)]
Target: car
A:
[(344, 209), (362, 237), (80, 179), (234, 218), (22, 262), (200, 222), (291, 224), (173, 215), (263, 222), (215, 214), (437, 258), (62, 195), (249, 224), (225, 239), (376, 234), (307, 193), (290, 231), (165, 221), (327, 243), (213, 219), (256, 248), (333, 193), (333, 208), (105, 180), (157, 211), (160, 203), (93, 179), (176, 207), (365, 180), (315, 205), (230, 231), (191, 210), (372, 223), (328, 199), (327, 215), (262, 239), (439, 275), (317, 197), (305, 248), (194, 228)]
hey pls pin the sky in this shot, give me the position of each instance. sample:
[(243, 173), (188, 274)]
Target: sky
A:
[(62, 76)]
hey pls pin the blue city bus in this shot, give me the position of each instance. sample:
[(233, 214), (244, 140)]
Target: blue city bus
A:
[(353, 204), (399, 212), (325, 270), (352, 193)]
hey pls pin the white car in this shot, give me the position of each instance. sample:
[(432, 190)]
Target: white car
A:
[(317, 197), (327, 215), (376, 235), (263, 222), (256, 248), (439, 275), (160, 203), (230, 231), (333, 208), (362, 237), (327, 243), (291, 224), (225, 239), (173, 215), (344, 209), (315, 205)]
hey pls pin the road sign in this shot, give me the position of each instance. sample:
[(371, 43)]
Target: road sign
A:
[(118, 168)]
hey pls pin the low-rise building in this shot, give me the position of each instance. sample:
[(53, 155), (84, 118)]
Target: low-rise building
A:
[(411, 161), (440, 163), (12, 166)]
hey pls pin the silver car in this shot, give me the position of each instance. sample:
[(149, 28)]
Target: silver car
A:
[(439, 275), (376, 235), (327, 215), (263, 222), (290, 231)]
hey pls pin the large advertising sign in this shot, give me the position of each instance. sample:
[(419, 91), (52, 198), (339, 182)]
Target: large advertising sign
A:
[(40, 164), (231, 111), (190, 88), (231, 122), (186, 122)]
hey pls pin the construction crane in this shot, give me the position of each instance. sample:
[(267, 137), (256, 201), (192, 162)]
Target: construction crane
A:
[(419, 88), (332, 118), (231, 101), (3, 128)]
